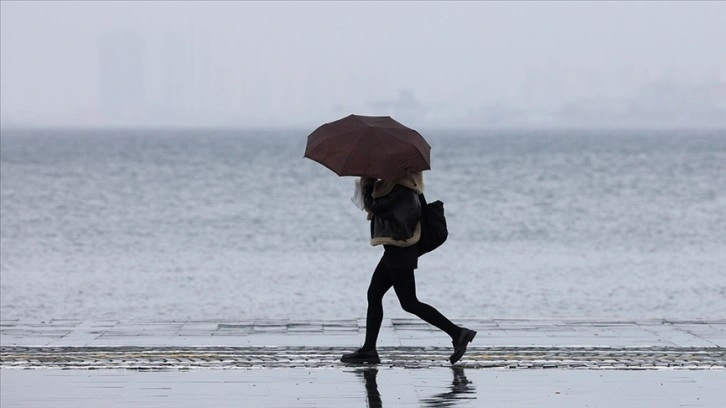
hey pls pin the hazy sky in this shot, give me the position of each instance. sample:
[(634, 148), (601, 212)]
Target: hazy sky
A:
[(299, 63)]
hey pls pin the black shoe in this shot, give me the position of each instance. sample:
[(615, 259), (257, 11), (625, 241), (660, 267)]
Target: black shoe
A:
[(360, 356), (465, 337)]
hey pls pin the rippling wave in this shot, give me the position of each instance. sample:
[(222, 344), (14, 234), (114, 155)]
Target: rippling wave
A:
[(237, 225)]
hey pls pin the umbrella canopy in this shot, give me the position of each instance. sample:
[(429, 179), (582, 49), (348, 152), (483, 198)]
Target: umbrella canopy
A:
[(369, 146)]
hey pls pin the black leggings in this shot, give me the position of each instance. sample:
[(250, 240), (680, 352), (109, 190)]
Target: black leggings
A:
[(404, 284)]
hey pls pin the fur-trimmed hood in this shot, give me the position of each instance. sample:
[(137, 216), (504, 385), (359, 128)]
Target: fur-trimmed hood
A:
[(413, 181)]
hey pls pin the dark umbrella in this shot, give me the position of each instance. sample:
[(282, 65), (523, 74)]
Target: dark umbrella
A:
[(369, 146)]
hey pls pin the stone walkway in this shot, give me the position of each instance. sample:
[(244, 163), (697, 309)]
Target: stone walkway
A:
[(262, 363), (500, 343)]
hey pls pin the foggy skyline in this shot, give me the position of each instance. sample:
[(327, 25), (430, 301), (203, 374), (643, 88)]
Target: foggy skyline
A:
[(293, 64)]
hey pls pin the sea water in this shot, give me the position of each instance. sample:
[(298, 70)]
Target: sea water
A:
[(232, 225)]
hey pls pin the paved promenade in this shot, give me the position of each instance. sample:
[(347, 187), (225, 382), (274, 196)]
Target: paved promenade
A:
[(500, 343), (559, 362)]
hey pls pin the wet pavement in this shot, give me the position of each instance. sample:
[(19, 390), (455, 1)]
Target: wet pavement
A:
[(264, 363), (351, 387)]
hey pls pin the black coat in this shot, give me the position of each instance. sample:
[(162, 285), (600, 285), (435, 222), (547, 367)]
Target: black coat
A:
[(395, 216)]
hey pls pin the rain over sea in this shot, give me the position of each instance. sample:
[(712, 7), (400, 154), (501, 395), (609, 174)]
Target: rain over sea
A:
[(163, 225)]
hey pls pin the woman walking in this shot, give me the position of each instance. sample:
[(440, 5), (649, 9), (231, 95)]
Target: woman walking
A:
[(394, 210)]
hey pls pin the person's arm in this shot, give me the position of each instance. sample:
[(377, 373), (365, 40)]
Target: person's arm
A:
[(384, 205), (366, 185)]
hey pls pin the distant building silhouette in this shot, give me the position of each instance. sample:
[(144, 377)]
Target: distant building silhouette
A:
[(154, 80), (186, 72)]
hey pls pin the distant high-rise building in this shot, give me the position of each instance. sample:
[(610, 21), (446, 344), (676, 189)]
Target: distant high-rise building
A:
[(186, 72), (144, 79), (121, 74)]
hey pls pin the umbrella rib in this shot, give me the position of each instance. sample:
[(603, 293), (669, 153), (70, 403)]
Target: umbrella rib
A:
[(382, 147), (347, 157), (332, 136), (417, 150), (401, 138)]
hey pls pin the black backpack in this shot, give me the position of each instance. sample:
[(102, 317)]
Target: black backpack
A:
[(433, 226)]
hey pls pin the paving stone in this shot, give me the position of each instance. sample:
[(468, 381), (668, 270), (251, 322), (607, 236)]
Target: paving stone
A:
[(161, 357), (565, 340)]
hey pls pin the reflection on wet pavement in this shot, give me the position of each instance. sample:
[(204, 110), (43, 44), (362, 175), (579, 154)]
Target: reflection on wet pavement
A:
[(460, 389), (372, 387), (372, 394)]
